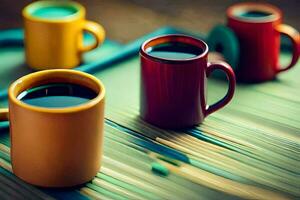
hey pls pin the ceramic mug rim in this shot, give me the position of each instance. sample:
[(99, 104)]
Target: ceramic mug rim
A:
[(67, 76), (174, 38), (275, 13), (28, 10)]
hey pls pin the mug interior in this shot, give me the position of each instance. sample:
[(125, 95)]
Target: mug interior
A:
[(53, 10), (57, 95), (84, 89), (174, 48), (254, 12)]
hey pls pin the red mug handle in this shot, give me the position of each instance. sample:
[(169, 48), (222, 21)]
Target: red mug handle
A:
[(231, 78), (293, 34)]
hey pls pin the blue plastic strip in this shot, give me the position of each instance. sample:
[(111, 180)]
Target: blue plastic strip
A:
[(12, 37)]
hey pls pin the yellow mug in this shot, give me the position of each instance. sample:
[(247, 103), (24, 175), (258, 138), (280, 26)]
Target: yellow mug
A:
[(55, 146), (54, 34)]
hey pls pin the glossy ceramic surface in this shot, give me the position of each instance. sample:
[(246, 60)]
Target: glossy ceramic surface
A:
[(57, 42), (56, 147), (259, 39), (173, 91)]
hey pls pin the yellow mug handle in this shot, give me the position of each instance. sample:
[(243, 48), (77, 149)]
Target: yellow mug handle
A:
[(3, 114), (97, 31)]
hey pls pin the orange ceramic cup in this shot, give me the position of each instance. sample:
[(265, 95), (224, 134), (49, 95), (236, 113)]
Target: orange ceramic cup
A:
[(56, 147)]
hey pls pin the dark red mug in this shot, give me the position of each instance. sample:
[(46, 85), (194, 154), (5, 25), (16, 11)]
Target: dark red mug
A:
[(173, 91), (258, 27)]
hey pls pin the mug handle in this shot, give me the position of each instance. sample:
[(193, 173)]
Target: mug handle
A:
[(3, 114), (231, 78), (97, 31), (293, 35)]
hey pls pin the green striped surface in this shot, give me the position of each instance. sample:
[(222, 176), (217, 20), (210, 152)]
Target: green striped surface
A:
[(250, 149), (255, 140)]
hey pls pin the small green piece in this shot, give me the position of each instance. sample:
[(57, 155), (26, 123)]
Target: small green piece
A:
[(159, 169)]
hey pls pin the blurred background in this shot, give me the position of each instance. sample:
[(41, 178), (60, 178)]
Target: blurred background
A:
[(125, 20)]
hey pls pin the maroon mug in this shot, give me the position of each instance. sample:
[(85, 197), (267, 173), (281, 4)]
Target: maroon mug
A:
[(173, 91), (258, 27)]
